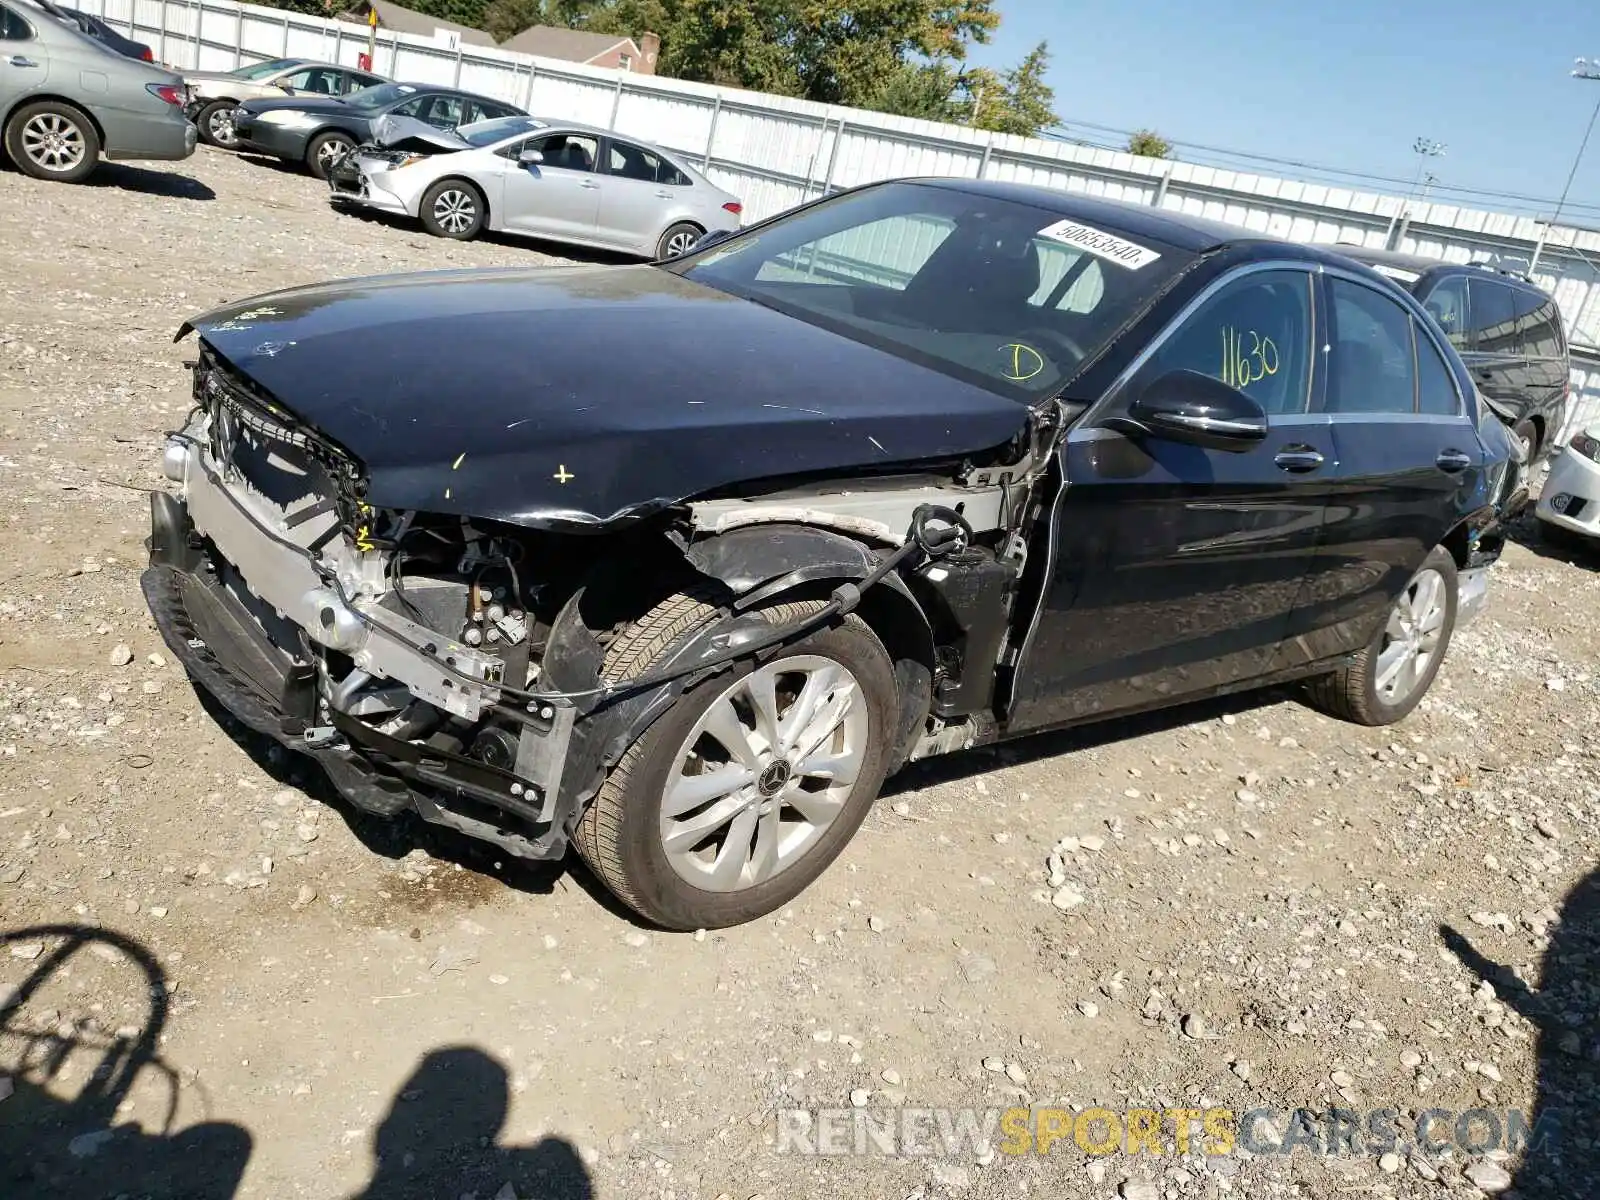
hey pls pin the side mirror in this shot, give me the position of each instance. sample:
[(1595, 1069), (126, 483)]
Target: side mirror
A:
[(1186, 406), (530, 158)]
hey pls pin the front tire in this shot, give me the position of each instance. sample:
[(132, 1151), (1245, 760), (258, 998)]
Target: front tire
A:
[(678, 240), (326, 149), (453, 208), (52, 140), (214, 123), (743, 792), (1392, 674)]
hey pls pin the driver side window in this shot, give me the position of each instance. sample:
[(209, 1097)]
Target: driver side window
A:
[(1254, 335)]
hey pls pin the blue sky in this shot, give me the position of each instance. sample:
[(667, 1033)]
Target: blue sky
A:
[(1350, 84)]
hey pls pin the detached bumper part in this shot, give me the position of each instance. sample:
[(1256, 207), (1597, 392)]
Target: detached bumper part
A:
[(227, 652), (1472, 594)]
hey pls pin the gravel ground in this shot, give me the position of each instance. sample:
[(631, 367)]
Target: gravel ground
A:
[(248, 990)]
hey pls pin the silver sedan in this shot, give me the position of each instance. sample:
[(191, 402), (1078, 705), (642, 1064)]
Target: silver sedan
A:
[(523, 175)]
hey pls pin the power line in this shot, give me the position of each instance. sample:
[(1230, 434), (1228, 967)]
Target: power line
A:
[(1220, 157)]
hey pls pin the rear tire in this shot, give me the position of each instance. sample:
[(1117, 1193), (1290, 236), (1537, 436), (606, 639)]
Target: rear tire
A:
[(453, 208), (1412, 641), (215, 124), (678, 239), (326, 149), (52, 140), (644, 847)]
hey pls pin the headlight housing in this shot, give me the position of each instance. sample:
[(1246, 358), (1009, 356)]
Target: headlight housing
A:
[(287, 117), (1587, 446)]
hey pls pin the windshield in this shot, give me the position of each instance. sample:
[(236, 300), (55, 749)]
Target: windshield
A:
[(998, 292), (377, 97), (497, 129), (263, 69)]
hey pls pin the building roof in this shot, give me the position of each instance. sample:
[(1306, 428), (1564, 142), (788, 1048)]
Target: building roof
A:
[(408, 20), (574, 45)]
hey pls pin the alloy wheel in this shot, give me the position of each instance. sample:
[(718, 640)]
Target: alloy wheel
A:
[(53, 142), (679, 243), (220, 127), (764, 773), (329, 153), (454, 210), (1411, 638)]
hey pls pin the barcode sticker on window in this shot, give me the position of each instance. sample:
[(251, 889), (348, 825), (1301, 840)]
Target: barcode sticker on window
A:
[(1101, 244)]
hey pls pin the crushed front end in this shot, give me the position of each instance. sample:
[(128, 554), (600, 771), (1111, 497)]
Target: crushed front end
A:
[(387, 645)]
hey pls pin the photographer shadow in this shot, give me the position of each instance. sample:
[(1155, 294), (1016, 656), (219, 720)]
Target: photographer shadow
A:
[(441, 1135), (1562, 1157)]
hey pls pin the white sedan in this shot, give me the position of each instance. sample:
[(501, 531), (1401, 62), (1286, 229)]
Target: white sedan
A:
[(521, 175), (1570, 502)]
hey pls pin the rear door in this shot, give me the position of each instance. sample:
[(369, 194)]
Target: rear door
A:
[(1175, 570), (1409, 456), (559, 197), (642, 196), (24, 65)]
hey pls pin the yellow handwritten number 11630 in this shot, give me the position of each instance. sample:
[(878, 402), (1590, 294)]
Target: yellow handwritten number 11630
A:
[(1243, 366)]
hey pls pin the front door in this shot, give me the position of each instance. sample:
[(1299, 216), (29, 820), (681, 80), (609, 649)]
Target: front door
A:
[(1174, 569), (559, 197)]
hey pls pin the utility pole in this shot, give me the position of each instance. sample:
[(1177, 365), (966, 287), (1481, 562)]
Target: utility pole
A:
[(1583, 68), (1425, 149)]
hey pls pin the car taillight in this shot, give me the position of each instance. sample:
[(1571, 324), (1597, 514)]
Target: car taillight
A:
[(165, 91), (148, 56), (734, 207)]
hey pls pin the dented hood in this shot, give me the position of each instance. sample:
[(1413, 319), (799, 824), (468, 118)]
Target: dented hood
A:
[(581, 397), (407, 133)]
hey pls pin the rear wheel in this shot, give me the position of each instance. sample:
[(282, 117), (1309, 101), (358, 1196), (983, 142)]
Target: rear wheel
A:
[(325, 150), (744, 791), (452, 208), (678, 240), (52, 140), (1391, 675), (215, 124)]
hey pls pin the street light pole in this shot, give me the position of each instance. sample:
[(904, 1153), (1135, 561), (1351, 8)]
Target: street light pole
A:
[(1583, 68), (1425, 148)]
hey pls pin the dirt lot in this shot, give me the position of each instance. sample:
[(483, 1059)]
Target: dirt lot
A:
[(247, 990)]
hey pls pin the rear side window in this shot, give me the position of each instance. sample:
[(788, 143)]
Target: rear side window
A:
[(1494, 318), (1373, 367), (1447, 304), (1539, 327), (1436, 390), (12, 27), (635, 162), (1253, 335)]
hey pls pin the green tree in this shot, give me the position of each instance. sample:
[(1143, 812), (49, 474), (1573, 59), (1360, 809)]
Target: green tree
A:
[(1016, 101), (504, 19), (1150, 144)]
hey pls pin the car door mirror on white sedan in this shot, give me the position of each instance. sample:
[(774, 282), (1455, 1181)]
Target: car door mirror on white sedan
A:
[(530, 158)]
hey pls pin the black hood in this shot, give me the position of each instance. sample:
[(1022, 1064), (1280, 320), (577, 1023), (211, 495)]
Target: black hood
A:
[(577, 397)]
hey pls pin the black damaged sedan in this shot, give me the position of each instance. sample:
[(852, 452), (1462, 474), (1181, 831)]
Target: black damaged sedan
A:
[(676, 563)]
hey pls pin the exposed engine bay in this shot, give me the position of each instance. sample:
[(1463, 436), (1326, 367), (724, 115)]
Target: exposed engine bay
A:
[(457, 666)]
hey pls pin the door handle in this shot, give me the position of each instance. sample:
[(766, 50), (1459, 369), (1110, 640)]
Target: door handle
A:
[(589, 183), (1453, 461), (1299, 459), (663, 195), (17, 60)]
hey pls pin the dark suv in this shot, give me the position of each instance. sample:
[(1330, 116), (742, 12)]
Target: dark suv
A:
[(1507, 330)]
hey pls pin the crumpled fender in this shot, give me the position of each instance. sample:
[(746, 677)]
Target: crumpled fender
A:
[(757, 564)]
